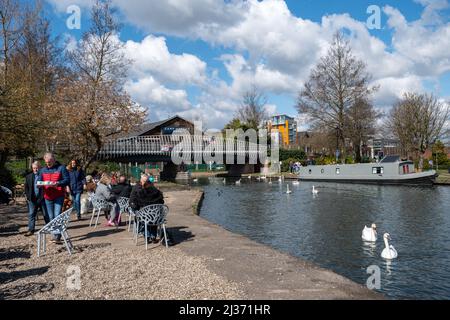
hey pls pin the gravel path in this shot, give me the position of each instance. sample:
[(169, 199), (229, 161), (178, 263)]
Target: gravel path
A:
[(107, 271)]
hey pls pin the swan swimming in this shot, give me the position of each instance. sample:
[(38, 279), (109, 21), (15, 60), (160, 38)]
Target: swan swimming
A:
[(314, 190), (195, 180), (295, 183), (370, 234), (238, 182), (279, 179), (224, 181), (288, 191), (389, 251)]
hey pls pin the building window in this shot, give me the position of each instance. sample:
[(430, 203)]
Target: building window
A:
[(338, 171), (377, 170)]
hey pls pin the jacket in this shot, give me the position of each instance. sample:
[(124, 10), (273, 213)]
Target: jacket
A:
[(121, 190), (103, 192), (144, 196), (29, 189), (77, 180), (57, 173)]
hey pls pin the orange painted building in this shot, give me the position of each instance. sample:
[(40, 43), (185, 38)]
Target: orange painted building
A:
[(287, 129)]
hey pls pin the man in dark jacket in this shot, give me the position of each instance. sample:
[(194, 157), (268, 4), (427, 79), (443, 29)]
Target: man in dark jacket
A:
[(145, 194), (77, 183), (122, 189), (35, 198)]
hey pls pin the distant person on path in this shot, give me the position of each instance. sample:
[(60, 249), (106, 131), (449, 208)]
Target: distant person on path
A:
[(35, 198), (57, 179), (103, 192), (77, 182), (145, 194)]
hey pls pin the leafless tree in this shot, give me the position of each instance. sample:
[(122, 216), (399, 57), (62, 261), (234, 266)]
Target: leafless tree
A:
[(252, 111), (25, 61), (418, 121), (360, 125), (97, 107), (335, 85)]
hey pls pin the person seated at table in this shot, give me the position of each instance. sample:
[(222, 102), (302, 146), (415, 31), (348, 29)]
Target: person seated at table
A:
[(103, 192), (145, 194), (122, 189)]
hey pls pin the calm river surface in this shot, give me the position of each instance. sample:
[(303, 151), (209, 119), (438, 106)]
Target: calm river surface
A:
[(326, 228)]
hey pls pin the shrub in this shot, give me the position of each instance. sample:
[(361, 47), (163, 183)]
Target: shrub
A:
[(7, 178), (286, 154)]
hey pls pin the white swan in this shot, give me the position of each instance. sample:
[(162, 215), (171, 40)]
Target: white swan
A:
[(288, 191), (195, 180), (263, 178), (370, 234), (249, 177), (314, 190), (238, 182), (279, 179), (389, 251), (270, 181), (295, 183), (224, 181)]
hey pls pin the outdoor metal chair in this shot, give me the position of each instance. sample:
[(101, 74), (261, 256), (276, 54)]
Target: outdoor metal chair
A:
[(56, 226), (99, 206), (152, 215), (124, 206)]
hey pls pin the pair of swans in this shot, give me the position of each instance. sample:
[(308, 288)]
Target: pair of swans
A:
[(370, 235)]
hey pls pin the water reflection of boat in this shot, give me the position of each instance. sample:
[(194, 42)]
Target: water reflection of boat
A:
[(390, 170)]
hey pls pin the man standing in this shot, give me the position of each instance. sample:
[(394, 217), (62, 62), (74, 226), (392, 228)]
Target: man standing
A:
[(77, 183), (35, 198), (58, 179)]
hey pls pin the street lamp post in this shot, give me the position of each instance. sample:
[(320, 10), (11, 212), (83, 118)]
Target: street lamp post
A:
[(337, 144)]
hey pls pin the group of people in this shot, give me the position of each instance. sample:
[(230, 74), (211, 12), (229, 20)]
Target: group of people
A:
[(46, 189), (294, 167)]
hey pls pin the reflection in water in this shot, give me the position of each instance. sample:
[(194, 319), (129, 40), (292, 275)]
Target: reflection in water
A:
[(326, 228)]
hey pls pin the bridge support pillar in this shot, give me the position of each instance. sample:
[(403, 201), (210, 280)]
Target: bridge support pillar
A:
[(169, 172), (236, 170)]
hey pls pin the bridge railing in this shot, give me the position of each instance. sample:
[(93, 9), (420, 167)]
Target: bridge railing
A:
[(164, 144)]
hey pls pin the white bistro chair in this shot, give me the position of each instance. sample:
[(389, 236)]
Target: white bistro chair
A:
[(152, 215)]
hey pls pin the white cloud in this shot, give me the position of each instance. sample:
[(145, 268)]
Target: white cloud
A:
[(393, 88), (271, 48), (150, 93), (151, 56)]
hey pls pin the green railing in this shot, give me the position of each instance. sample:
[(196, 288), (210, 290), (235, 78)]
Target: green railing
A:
[(205, 167)]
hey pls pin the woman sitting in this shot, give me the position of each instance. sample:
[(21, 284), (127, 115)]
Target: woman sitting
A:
[(103, 192)]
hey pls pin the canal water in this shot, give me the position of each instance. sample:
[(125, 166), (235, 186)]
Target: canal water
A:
[(326, 228)]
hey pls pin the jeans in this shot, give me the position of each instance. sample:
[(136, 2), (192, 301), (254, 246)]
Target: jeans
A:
[(54, 208), (77, 202), (152, 231), (32, 213)]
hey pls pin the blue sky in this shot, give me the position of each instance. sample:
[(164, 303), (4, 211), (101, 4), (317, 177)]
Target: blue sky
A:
[(196, 58)]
